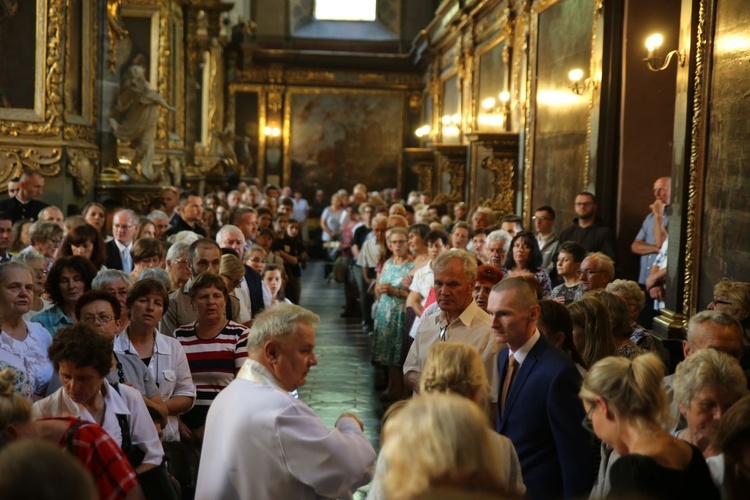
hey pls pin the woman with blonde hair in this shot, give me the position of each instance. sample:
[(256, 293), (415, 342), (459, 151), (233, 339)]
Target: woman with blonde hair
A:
[(439, 442), (592, 330), (626, 407), (457, 368)]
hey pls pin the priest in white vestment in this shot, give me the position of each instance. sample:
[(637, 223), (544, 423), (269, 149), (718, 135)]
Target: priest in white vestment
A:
[(260, 442)]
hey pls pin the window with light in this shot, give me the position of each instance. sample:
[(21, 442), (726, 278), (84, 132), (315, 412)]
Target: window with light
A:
[(346, 10)]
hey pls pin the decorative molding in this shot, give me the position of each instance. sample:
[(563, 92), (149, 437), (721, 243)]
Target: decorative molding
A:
[(692, 223), (313, 77), (504, 184), (45, 160), (81, 167), (116, 32)]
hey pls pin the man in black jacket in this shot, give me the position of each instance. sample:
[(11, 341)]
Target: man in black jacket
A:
[(25, 204), (588, 230)]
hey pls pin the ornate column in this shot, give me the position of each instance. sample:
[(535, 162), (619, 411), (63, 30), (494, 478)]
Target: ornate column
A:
[(451, 160), (422, 163)]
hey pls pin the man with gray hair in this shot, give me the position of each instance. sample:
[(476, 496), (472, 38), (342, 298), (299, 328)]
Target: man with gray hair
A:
[(231, 237), (496, 248), (124, 229), (261, 442), (597, 271), (459, 319)]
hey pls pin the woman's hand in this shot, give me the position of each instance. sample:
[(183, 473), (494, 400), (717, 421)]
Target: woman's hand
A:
[(407, 281), (186, 435)]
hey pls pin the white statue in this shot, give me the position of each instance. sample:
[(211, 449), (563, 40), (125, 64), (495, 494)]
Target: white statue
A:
[(140, 104)]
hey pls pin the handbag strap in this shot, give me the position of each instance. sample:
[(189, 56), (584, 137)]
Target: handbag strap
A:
[(70, 433)]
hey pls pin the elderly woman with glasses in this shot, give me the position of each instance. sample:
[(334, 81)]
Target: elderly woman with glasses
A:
[(626, 407), (68, 279), (163, 355), (526, 258), (391, 311), (178, 265), (706, 385), (46, 237), (117, 283), (23, 344)]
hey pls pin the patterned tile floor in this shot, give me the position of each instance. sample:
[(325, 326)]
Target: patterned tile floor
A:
[(344, 378)]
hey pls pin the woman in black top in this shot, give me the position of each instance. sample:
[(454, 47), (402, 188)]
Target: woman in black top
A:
[(626, 406)]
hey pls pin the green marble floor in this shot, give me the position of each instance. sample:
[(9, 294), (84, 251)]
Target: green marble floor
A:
[(344, 378)]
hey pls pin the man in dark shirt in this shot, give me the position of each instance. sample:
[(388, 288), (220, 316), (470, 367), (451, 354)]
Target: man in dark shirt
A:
[(25, 205), (588, 230), (189, 218), (6, 229)]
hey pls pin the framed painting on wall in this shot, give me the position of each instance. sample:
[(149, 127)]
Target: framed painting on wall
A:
[(334, 139), (22, 60)]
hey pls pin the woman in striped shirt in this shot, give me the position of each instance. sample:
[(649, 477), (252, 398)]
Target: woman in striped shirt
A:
[(215, 347)]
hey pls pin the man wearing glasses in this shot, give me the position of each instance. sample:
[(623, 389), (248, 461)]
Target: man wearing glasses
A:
[(588, 230), (596, 272), (124, 229)]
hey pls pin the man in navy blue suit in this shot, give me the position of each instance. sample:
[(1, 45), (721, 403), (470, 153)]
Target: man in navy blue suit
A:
[(538, 405)]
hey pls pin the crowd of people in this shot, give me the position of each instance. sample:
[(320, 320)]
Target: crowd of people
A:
[(171, 344)]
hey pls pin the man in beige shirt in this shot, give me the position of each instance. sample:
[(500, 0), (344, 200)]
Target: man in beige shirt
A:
[(459, 319)]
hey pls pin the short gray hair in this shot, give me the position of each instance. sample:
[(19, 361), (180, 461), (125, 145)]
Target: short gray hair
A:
[(705, 367), (28, 256), (277, 323), (134, 217), (177, 250), (108, 277), (603, 263), (499, 235), (184, 236), (629, 289), (228, 228), (158, 215), (467, 259), (716, 317), (158, 274)]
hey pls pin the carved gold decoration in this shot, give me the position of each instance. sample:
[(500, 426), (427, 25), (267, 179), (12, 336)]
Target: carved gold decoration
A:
[(457, 173), (503, 184), (275, 98), (45, 160), (116, 32), (81, 167), (692, 224), (424, 171)]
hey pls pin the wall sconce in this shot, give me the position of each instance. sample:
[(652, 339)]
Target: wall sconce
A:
[(423, 131), (654, 61), (451, 125), (578, 85), (272, 131), (495, 111)]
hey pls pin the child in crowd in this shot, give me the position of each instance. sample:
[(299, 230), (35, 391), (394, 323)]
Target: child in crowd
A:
[(568, 264), (273, 278)]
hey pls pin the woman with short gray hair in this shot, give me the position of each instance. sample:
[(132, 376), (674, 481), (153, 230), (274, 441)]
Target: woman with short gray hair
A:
[(117, 283), (706, 385)]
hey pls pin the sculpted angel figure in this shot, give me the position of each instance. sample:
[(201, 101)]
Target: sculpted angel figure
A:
[(138, 107)]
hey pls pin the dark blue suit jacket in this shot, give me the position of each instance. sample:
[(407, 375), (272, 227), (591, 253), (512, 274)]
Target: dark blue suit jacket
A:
[(542, 418)]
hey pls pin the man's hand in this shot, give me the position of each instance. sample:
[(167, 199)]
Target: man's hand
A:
[(352, 415), (559, 299), (186, 435), (657, 207)]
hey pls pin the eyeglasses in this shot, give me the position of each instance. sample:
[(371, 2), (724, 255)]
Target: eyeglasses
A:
[(181, 261), (236, 283), (257, 260), (587, 423), (103, 319), (443, 333), (541, 218), (39, 273), (587, 272), (120, 226)]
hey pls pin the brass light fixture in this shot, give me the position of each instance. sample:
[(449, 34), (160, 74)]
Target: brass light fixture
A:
[(656, 62), (578, 85)]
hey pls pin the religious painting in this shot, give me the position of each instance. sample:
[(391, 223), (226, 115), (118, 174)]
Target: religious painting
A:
[(337, 138), (22, 59), (724, 246), (246, 130), (563, 39), (492, 88), (451, 116)]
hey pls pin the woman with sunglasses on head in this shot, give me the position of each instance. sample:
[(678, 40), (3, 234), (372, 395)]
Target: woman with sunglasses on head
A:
[(626, 407), (526, 258)]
